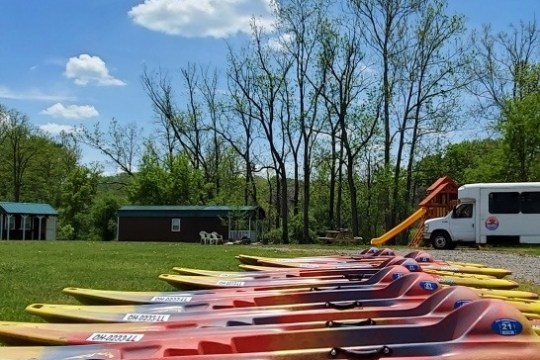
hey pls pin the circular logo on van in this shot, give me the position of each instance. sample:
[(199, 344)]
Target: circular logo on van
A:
[(492, 223)]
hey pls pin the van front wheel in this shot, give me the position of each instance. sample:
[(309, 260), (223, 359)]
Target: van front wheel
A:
[(441, 241)]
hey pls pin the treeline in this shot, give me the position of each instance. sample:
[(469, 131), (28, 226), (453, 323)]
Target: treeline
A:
[(338, 117)]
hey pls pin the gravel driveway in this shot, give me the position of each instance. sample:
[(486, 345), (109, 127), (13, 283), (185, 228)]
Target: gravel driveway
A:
[(523, 267)]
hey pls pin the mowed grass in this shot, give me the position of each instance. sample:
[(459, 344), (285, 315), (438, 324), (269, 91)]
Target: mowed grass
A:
[(36, 272)]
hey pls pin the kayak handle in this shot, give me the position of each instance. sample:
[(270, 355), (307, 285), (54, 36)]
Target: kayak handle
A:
[(344, 306), (325, 288), (354, 277), (335, 324), (361, 354)]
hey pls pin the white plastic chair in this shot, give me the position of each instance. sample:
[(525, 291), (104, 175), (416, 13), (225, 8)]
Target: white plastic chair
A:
[(216, 238), (206, 238)]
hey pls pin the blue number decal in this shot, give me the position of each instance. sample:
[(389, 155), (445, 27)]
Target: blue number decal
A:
[(429, 285), (507, 327), (460, 303), (396, 276)]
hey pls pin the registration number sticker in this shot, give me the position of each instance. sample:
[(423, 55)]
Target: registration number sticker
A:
[(137, 317), (171, 299), (115, 337), (230, 283)]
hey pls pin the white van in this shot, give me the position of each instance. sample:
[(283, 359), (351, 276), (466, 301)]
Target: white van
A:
[(498, 213)]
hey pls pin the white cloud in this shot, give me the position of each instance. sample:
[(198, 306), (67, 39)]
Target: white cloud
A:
[(86, 69), (32, 94), (280, 43), (202, 18), (71, 111), (55, 129)]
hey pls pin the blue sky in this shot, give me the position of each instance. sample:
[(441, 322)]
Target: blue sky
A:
[(70, 62)]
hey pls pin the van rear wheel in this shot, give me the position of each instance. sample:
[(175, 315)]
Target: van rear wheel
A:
[(441, 241)]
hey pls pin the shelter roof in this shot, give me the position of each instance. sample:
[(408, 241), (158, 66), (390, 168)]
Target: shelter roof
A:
[(27, 208), (190, 211)]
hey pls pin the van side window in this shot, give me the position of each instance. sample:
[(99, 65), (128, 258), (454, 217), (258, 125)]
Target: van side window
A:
[(530, 202), (504, 202), (463, 211)]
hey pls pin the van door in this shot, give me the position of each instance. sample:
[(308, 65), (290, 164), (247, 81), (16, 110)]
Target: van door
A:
[(462, 223)]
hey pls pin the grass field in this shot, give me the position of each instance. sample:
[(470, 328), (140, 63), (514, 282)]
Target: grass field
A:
[(36, 272), (32, 271)]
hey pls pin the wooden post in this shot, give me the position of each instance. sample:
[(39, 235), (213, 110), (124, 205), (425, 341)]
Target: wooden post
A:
[(23, 226), (40, 217), (8, 226)]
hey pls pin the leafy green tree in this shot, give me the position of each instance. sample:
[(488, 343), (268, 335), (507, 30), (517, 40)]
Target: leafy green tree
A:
[(171, 182), (78, 191), (32, 165), (465, 162), (521, 134), (104, 217), (150, 185)]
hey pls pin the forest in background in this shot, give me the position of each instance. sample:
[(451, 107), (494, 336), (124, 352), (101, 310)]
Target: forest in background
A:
[(340, 117)]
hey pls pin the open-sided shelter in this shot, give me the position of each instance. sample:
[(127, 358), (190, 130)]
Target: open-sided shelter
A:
[(184, 223), (27, 221)]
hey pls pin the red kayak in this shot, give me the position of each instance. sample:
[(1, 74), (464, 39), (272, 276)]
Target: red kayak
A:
[(98, 297), (409, 289), (431, 309), (476, 328)]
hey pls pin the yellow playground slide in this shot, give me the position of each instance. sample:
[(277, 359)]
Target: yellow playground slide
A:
[(396, 230)]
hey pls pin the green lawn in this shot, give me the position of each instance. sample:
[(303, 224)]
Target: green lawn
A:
[(33, 272)]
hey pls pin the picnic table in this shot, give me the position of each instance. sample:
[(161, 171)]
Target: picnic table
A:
[(341, 236)]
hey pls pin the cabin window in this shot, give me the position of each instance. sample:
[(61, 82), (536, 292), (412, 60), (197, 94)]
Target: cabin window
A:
[(530, 202), (27, 225), (11, 222), (504, 203), (175, 225)]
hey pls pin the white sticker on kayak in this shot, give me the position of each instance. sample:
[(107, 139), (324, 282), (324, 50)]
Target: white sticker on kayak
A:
[(137, 317), (171, 299), (115, 337), (230, 283), (308, 266)]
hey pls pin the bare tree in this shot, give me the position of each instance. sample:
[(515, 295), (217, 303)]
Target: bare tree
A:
[(261, 81), (346, 83), (301, 24), (241, 116), (22, 145), (191, 128), (120, 143), (499, 60), (429, 83), (383, 26)]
